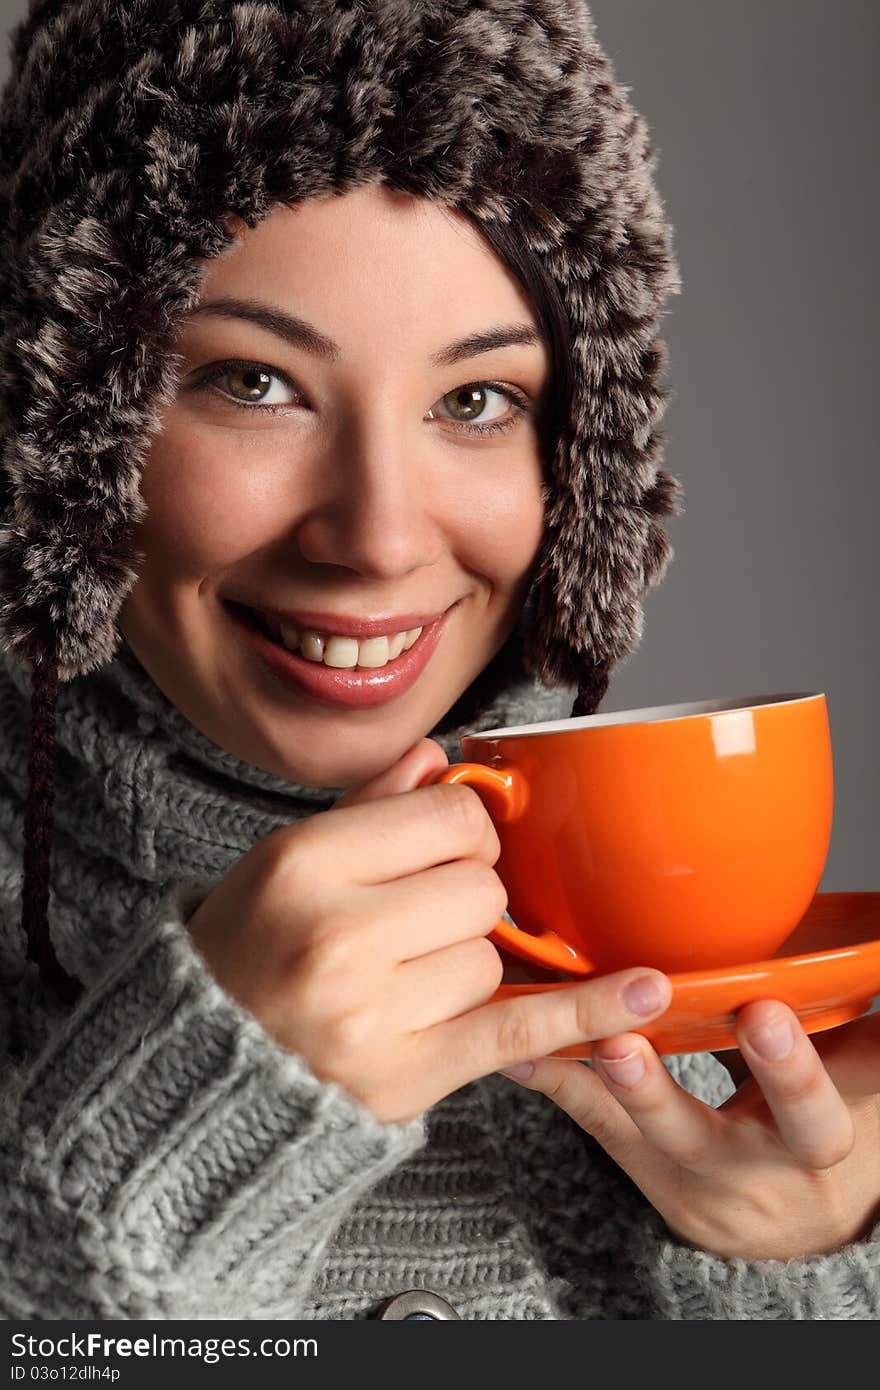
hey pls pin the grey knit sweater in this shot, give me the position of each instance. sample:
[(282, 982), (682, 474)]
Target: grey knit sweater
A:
[(161, 1157)]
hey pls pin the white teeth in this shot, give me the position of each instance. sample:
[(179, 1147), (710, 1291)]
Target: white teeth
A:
[(373, 652), (344, 653), (341, 652)]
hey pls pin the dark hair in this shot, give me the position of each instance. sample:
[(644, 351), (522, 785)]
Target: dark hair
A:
[(546, 300)]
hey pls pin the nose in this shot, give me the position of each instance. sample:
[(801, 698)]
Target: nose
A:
[(374, 511)]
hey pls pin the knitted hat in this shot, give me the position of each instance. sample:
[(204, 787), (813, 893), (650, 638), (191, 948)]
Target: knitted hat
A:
[(130, 130)]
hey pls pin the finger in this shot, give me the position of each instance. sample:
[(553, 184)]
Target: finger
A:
[(443, 985), (412, 917), (672, 1121), (424, 759), (582, 1094), (850, 1053), (383, 840), (532, 1025), (812, 1117)]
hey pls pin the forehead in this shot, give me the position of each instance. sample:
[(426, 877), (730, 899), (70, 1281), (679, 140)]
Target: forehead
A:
[(408, 267)]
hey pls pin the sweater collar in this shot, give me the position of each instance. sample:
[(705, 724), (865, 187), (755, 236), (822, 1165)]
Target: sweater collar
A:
[(137, 781)]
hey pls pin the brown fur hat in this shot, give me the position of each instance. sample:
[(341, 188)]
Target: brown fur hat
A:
[(131, 129)]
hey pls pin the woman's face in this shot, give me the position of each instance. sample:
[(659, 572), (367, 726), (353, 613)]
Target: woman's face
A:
[(340, 485)]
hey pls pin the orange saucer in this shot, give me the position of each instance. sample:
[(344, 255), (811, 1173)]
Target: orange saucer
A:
[(828, 971)]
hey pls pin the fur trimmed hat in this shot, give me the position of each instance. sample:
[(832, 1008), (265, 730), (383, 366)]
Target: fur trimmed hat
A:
[(131, 129)]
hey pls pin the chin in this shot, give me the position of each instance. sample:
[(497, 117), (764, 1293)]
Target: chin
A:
[(337, 768)]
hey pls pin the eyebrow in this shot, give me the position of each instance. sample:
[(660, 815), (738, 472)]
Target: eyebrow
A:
[(304, 335)]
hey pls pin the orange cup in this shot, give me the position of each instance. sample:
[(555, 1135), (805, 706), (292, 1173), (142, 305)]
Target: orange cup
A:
[(682, 837)]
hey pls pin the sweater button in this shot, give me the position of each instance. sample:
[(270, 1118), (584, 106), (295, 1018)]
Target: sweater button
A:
[(418, 1305)]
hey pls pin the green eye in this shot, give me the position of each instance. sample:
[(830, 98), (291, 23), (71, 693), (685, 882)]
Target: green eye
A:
[(248, 385), (252, 379), (470, 400)]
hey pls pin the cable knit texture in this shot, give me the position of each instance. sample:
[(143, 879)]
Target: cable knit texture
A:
[(162, 1158)]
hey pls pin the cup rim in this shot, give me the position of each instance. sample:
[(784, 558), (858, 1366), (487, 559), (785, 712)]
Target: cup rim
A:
[(650, 714)]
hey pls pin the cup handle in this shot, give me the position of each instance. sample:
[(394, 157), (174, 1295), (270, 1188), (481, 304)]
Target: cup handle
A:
[(506, 794)]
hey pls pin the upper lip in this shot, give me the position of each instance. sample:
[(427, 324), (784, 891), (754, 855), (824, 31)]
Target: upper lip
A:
[(335, 625)]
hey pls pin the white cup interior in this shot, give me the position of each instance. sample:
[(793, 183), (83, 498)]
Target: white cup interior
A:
[(653, 714)]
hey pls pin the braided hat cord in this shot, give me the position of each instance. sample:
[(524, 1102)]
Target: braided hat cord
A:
[(592, 688), (38, 824)]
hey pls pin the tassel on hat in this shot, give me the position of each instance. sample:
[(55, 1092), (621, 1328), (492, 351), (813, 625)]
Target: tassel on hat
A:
[(131, 129)]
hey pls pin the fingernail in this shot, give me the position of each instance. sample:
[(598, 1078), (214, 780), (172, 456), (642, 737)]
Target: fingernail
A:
[(520, 1071), (625, 1070), (647, 994), (773, 1040)]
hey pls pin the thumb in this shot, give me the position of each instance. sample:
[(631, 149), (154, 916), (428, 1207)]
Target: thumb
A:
[(418, 764)]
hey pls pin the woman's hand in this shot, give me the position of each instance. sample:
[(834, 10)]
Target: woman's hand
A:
[(357, 938), (789, 1166)]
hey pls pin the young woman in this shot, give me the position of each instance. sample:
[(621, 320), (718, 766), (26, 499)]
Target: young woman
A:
[(330, 379)]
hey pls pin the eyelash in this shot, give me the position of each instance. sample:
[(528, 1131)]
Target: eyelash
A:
[(519, 401)]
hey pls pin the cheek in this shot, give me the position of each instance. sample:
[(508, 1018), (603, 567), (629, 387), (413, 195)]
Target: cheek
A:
[(209, 504), (500, 525)]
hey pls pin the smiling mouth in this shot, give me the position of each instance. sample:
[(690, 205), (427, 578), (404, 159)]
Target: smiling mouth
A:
[(326, 649)]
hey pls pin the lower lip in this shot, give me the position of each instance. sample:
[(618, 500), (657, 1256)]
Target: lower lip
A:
[(359, 688)]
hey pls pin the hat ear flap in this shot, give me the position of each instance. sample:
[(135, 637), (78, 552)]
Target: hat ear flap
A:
[(610, 255), (604, 544), (603, 548)]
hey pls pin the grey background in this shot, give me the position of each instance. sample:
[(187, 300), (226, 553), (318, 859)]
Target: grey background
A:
[(765, 115), (766, 118)]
